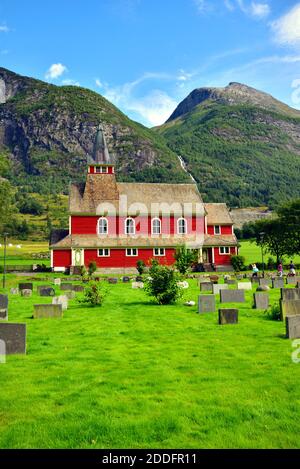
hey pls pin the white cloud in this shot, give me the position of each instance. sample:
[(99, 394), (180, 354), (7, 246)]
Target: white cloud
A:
[(98, 83), (255, 9), (4, 29), (70, 82), (55, 71), (287, 28), (203, 5)]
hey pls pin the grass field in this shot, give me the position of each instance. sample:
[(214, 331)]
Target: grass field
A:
[(134, 374), (252, 253), (25, 254)]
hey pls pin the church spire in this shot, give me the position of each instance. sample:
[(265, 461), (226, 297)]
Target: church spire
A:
[(100, 150)]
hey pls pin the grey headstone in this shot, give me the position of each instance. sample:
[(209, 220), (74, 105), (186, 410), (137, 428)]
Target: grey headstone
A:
[(137, 285), (290, 294), (232, 296), (255, 279), (61, 300), (206, 304), (14, 337), (57, 281), (125, 279), (289, 308), (228, 316), (70, 295), (3, 307), (112, 280), (26, 292), (263, 288), (47, 311), (278, 283), (239, 277), (14, 291), (218, 287), (230, 281), (292, 324), (66, 286), (244, 286), (261, 300), (292, 280), (25, 286), (205, 286), (78, 288), (264, 282), (46, 291)]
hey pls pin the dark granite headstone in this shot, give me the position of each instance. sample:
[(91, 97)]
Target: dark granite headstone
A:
[(261, 300), (78, 288), (290, 294), (47, 291), (277, 283), (139, 278), (47, 311), (206, 286), (232, 296), (112, 280), (228, 316), (3, 306), (25, 286), (125, 279), (206, 304), (292, 324), (14, 337)]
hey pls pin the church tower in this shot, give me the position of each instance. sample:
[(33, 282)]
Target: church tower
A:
[(100, 162)]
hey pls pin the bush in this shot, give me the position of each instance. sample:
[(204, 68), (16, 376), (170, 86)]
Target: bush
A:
[(163, 284), (185, 258), (140, 266), (92, 268), (274, 314), (238, 263), (93, 294), (31, 206)]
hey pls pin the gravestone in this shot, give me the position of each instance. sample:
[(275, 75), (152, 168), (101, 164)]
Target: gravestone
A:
[(228, 316), (230, 281), (57, 281), (25, 286), (66, 286), (264, 282), (206, 304), (78, 288), (261, 300), (292, 280), (3, 307), (232, 296), (26, 292), (239, 277), (189, 303), (61, 300), (47, 311), (41, 287), (292, 324), (289, 308), (290, 294), (277, 283), (263, 288), (70, 295), (206, 286), (244, 286), (14, 291), (112, 280), (217, 288), (255, 279), (214, 278), (203, 280), (14, 337), (125, 279), (137, 285), (46, 291), (139, 278)]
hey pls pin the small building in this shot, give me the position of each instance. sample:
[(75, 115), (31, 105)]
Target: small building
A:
[(116, 223)]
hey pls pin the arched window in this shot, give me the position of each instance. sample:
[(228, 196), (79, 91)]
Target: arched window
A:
[(181, 226), (156, 226), (129, 226), (102, 226)]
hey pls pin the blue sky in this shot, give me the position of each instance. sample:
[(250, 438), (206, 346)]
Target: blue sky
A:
[(146, 55)]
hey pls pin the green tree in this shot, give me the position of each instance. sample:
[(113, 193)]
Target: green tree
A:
[(185, 258), (163, 284), (272, 236), (289, 215), (93, 294), (7, 207)]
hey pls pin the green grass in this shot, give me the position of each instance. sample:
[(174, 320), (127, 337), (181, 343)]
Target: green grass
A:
[(24, 255), (134, 374), (252, 253)]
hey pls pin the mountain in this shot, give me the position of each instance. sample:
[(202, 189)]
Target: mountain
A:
[(46, 132), (241, 145)]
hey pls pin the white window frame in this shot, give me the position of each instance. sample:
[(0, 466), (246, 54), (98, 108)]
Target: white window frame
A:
[(98, 226), (224, 248), (215, 226), (131, 252), (101, 169), (103, 252), (185, 226), (125, 226), (161, 252), (152, 225)]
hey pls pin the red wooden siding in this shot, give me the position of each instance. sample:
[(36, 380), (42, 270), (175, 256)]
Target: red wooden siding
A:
[(92, 170), (62, 258), (223, 259), (225, 230), (118, 257)]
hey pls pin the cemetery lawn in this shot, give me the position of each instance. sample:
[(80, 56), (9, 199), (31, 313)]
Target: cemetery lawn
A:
[(132, 374), (252, 253)]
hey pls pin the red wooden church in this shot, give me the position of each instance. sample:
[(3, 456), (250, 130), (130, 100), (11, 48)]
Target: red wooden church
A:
[(116, 223)]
